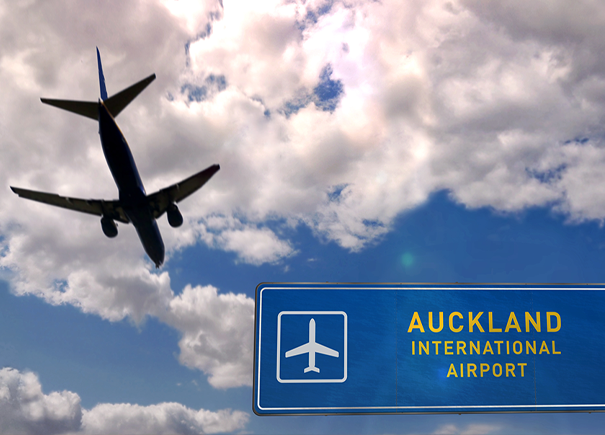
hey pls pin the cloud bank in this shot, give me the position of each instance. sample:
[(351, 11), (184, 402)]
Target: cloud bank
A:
[(25, 409)]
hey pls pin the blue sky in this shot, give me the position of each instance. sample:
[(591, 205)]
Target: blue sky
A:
[(415, 141), (439, 242)]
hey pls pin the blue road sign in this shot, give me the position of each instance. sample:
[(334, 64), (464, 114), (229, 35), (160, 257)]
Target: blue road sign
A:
[(428, 348)]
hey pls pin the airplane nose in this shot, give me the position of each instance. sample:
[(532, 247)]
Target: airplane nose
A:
[(152, 242), (157, 255), (159, 261)]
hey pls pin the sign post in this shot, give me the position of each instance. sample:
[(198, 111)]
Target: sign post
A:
[(428, 348)]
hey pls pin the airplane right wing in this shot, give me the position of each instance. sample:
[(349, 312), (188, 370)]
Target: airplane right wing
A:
[(161, 200), (98, 207), (320, 348)]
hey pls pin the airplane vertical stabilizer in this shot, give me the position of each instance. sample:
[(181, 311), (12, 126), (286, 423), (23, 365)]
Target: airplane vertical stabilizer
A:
[(101, 77)]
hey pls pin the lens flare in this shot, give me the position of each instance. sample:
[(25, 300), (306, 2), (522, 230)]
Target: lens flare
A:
[(407, 260)]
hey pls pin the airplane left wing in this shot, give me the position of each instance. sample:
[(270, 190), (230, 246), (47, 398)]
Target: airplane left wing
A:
[(305, 348), (98, 207), (161, 200)]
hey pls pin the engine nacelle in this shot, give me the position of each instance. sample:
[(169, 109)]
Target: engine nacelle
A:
[(110, 229), (175, 218)]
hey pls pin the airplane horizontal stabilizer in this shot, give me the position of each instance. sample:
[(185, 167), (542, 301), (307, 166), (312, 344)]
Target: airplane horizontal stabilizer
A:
[(84, 108), (98, 207), (161, 200), (114, 104), (119, 101)]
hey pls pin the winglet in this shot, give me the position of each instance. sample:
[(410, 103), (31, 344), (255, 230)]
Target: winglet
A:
[(101, 77)]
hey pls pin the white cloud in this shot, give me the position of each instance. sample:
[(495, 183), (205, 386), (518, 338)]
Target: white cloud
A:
[(448, 104), (217, 333), (165, 418), (77, 268), (217, 329), (84, 271), (25, 409), (255, 246), (471, 429), (583, 182), (252, 244), (435, 96)]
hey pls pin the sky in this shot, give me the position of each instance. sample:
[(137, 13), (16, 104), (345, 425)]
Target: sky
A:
[(359, 141)]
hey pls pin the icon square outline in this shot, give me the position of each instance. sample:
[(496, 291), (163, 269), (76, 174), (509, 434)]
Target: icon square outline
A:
[(311, 381)]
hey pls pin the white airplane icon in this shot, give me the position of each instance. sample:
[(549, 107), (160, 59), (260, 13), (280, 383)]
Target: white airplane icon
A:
[(312, 348)]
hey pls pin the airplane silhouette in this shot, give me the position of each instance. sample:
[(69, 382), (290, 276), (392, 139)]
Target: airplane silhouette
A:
[(312, 348), (134, 205)]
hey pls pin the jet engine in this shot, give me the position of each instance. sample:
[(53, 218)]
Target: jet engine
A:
[(110, 229), (175, 218)]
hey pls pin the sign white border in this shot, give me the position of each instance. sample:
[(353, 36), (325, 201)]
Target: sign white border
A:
[(311, 381), (418, 409)]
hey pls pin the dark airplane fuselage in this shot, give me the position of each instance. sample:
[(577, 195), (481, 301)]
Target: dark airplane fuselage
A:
[(132, 193)]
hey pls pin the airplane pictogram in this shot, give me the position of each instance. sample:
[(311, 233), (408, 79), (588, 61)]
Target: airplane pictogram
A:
[(312, 347)]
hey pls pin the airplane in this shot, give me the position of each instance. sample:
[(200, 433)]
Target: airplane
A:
[(134, 205), (312, 348)]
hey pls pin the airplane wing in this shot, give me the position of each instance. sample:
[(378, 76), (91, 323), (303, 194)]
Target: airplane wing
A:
[(160, 200), (319, 348), (111, 209), (299, 350)]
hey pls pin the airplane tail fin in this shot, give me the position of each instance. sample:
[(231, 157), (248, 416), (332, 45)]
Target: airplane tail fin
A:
[(114, 104), (101, 77)]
